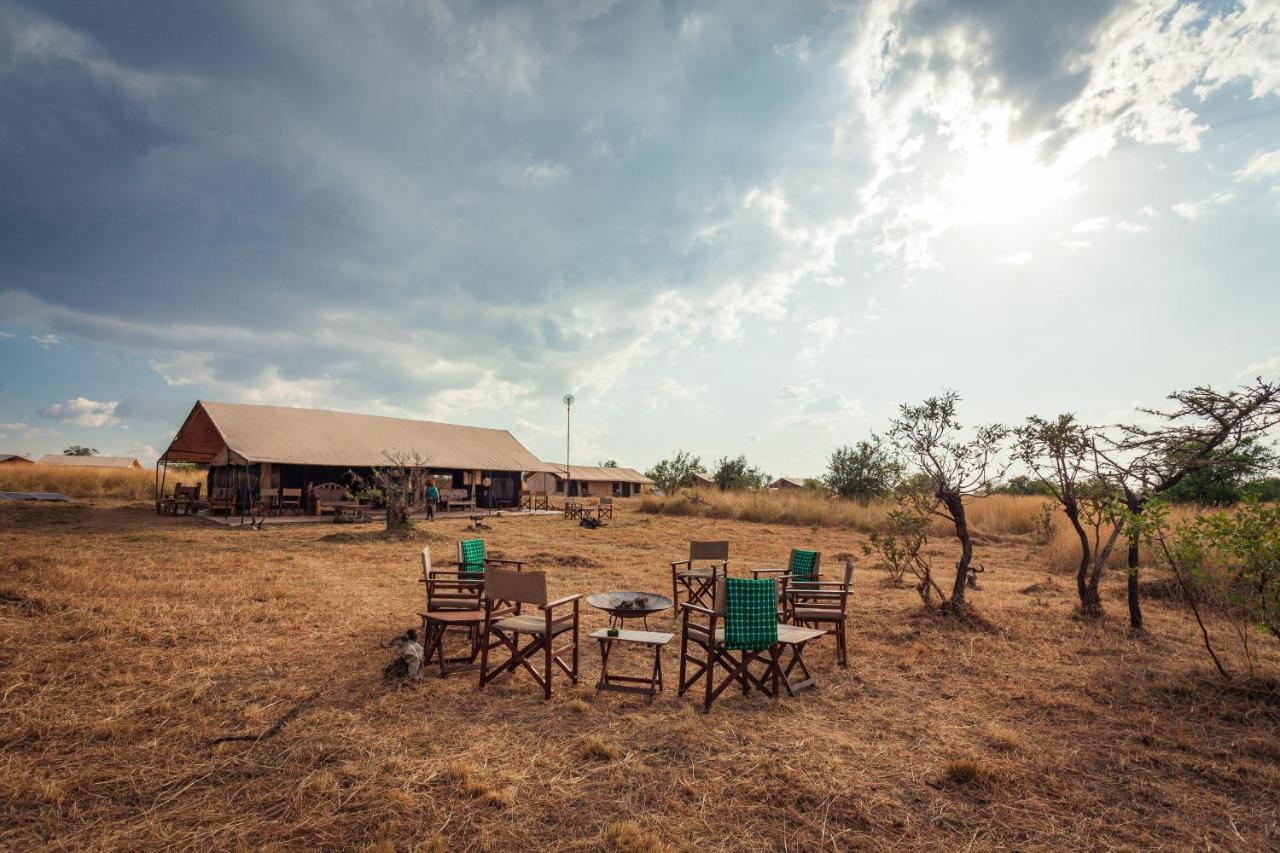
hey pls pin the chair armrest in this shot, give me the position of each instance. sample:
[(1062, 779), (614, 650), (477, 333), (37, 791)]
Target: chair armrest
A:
[(694, 608), (815, 593), (560, 601), (501, 562), (756, 573), (678, 563)]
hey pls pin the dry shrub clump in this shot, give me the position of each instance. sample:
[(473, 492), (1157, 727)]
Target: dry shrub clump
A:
[(117, 483), (130, 643)]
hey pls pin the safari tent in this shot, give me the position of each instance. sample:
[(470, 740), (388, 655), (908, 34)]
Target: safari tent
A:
[(588, 481), (248, 447)]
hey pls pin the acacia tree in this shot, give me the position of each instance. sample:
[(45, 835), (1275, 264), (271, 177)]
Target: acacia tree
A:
[(676, 472), (396, 485), (1202, 428), (738, 473), (1059, 454), (950, 468), (862, 471)]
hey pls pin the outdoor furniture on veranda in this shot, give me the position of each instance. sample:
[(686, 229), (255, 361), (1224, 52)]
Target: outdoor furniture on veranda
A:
[(456, 499), (185, 501), (707, 562), (535, 501), (803, 568), (268, 502), (472, 558), (649, 685), (324, 496), (740, 629), (222, 498), (290, 500), (505, 592), (820, 604), (455, 600), (605, 509), (350, 511), (573, 508)]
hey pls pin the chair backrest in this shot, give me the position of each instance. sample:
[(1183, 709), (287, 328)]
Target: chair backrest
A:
[(268, 493), (518, 587), (324, 492), (187, 492), (471, 555), (606, 502), (804, 565), (708, 550), (426, 561), (751, 613), (848, 573)]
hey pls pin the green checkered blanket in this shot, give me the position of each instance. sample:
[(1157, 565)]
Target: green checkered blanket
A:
[(751, 614), (472, 555), (802, 566)]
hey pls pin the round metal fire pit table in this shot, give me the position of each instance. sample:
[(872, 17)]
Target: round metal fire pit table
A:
[(623, 604)]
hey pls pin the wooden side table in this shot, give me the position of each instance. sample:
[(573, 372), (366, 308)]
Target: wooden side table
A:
[(649, 686)]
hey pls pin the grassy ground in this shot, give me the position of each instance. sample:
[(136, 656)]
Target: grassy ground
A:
[(128, 642)]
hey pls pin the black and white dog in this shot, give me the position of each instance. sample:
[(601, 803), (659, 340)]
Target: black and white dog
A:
[(408, 659)]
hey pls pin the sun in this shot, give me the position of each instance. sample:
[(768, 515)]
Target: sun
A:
[(1003, 181)]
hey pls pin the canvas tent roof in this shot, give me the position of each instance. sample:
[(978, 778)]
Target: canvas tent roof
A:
[(795, 481), (239, 433), (13, 457), (599, 474), (90, 461)]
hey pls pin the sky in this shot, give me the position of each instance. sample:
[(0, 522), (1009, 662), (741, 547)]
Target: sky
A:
[(728, 228)]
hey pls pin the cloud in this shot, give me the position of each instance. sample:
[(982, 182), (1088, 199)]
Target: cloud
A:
[(812, 404), (13, 426), (5, 335), (959, 130), (1085, 226), (1194, 210), (82, 412), (1263, 164), (1133, 227), (1017, 259), (46, 341), (819, 336)]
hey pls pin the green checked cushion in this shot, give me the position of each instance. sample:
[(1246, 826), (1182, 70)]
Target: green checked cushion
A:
[(802, 563), (750, 614), (472, 555)]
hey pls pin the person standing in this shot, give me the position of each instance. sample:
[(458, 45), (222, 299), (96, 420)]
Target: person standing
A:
[(433, 496)]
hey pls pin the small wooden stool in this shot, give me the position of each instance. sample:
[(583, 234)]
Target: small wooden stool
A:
[(650, 686)]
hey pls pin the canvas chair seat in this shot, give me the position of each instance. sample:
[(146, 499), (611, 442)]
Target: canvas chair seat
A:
[(817, 614), (454, 617), (696, 573), (528, 624), (700, 631)]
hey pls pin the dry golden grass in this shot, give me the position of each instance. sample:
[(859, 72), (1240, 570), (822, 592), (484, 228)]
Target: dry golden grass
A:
[(121, 483), (129, 641), (996, 515)]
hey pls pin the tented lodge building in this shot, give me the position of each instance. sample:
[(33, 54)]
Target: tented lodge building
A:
[(588, 481), (249, 447)]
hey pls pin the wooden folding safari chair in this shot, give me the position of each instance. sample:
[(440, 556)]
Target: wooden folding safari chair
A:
[(804, 567), (455, 600), (473, 557), (504, 594), (819, 604), (719, 639), (699, 581)]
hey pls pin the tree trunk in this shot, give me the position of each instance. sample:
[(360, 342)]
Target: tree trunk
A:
[(1090, 601), (398, 517), (955, 508), (1134, 504)]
